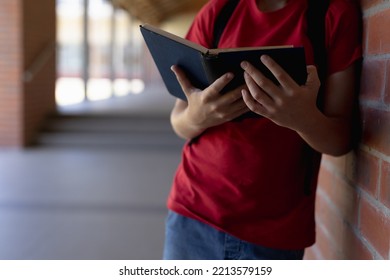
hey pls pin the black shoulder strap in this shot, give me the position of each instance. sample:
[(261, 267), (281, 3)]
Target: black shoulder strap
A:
[(316, 32), (222, 19)]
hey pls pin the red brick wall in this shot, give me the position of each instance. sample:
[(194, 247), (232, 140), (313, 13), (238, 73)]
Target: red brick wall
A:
[(353, 205), (10, 73), (39, 31), (25, 29)]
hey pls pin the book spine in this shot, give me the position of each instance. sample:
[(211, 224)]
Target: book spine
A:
[(210, 66), (216, 66)]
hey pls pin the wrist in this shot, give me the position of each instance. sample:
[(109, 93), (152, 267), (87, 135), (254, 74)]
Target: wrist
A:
[(310, 121), (193, 124)]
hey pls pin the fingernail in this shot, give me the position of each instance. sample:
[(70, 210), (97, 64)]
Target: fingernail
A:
[(229, 76), (244, 64), (264, 58)]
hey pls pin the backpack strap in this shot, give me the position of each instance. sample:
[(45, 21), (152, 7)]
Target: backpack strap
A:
[(316, 31), (222, 19)]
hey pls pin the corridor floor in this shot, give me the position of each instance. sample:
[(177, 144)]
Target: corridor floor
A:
[(77, 203), (83, 204)]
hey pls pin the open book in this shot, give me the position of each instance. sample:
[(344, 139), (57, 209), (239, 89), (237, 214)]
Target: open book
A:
[(203, 66)]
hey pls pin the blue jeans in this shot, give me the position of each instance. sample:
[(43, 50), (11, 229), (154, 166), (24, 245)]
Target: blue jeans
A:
[(188, 239)]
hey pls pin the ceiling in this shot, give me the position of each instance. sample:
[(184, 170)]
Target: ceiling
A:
[(157, 11)]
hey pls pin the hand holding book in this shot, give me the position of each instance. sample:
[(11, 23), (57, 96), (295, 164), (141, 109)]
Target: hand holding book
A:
[(207, 108), (287, 104), (203, 66)]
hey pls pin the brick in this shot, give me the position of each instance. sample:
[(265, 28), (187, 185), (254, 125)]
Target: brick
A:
[(27, 26), (329, 218), (325, 179), (39, 94), (367, 172), (341, 241), (375, 227), (353, 247), (325, 246), (321, 207), (365, 35), (309, 254), (10, 71), (366, 4), (385, 184), (378, 40), (345, 199), (386, 92), (345, 165), (351, 162), (376, 127), (373, 84), (338, 162)]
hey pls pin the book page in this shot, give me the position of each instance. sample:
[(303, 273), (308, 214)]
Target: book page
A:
[(175, 38), (217, 51)]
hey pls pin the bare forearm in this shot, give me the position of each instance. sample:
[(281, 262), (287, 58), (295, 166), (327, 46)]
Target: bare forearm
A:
[(328, 135), (183, 127), (331, 130)]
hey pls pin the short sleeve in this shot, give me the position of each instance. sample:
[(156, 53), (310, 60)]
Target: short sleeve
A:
[(343, 25), (201, 30)]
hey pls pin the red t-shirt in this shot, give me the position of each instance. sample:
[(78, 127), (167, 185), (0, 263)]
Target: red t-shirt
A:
[(247, 177)]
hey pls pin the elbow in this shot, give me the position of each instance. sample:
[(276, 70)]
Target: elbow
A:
[(343, 142), (340, 149), (181, 135), (339, 152)]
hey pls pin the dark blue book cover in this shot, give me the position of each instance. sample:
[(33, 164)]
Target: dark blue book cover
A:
[(203, 66)]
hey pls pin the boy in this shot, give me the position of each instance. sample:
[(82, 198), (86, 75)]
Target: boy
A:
[(239, 192)]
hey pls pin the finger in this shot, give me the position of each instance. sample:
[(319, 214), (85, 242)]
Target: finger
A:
[(217, 86), (240, 112), (231, 96), (184, 82), (252, 104), (257, 92), (312, 76), (239, 105), (237, 109), (260, 80), (281, 76)]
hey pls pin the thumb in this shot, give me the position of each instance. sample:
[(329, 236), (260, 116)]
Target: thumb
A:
[(312, 80), (184, 82)]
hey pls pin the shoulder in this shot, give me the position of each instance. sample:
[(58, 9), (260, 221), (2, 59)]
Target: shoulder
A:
[(338, 9), (213, 6), (201, 30), (210, 11), (342, 4), (344, 32), (343, 15)]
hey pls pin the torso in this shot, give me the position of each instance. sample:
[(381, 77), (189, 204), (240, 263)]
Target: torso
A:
[(247, 178)]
